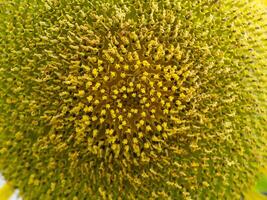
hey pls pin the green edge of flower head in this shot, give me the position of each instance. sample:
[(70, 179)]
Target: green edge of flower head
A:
[(132, 99)]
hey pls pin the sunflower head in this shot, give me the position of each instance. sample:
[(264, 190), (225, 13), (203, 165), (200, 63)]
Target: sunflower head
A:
[(124, 99)]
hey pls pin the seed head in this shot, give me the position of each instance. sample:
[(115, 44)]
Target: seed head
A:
[(124, 99)]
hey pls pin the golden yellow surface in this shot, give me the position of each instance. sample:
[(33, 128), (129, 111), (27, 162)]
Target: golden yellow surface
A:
[(262, 1), (6, 191)]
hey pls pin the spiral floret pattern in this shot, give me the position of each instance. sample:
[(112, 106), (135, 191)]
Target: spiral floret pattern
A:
[(124, 99)]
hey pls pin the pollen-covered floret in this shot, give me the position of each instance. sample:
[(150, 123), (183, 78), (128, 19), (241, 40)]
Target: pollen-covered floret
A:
[(132, 99)]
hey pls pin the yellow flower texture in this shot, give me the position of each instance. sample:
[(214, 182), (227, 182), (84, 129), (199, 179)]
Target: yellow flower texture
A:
[(264, 2), (132, 99)]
